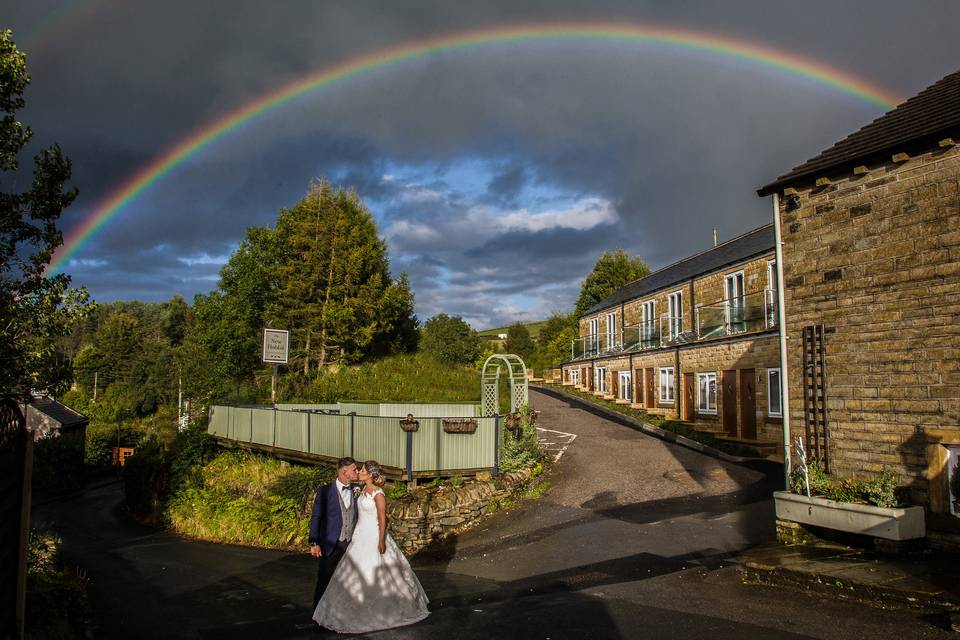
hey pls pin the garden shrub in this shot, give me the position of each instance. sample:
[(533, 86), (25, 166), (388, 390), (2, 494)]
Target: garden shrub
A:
[(56, 603), (523, 451), (883, 491)]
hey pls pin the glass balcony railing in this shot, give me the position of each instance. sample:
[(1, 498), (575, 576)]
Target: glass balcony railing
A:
[(749, 313), (745, 314)]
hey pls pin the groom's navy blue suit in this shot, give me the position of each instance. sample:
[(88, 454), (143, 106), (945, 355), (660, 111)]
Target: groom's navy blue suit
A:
[(326, 524)]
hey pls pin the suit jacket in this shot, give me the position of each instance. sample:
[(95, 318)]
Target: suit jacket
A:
[(325, 519)]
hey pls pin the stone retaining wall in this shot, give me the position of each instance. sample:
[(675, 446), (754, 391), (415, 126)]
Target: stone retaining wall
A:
[(422, 516)]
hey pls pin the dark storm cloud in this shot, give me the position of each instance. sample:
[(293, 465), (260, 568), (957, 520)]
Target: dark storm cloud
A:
[(674, 142)]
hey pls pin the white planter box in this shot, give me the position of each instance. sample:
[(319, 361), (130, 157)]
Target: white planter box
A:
[(864, 519)]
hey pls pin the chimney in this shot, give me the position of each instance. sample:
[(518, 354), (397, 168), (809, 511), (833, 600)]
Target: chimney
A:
[(714, 236)]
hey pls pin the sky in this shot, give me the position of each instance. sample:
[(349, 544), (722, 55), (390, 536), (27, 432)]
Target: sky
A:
[(497, 173)]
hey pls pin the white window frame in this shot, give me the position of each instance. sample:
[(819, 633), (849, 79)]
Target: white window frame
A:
[(671, 395), (611, 329), (625, 385), (649, 318), (771, 396), (594, 329), (600, 379), (772, 274), (675, 313), (575, 376), (704, 407), (729, 282)]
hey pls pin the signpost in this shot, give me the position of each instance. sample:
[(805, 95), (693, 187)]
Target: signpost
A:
[(276, 350)]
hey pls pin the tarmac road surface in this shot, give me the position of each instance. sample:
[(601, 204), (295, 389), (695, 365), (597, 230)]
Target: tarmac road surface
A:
[(636, 538)]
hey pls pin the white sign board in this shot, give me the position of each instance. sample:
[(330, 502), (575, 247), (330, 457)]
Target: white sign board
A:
[(276, 346)]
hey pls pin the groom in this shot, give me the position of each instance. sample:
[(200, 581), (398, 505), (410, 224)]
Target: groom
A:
[(331, 523)]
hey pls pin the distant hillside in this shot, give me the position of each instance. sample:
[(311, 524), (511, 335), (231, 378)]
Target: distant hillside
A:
[(532, 327)]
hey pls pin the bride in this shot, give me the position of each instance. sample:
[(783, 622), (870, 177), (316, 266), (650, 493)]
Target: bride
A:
[(373, 587)]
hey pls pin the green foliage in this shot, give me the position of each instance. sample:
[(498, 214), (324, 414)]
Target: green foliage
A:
[(883, 491), (37, 309), (456, 482), (248, 499), (396, 490), (401, 378), (56, 604), (523, 451), (519, 341), (553, 345), (450, 339), (58, 462), (612, 271), (146, 478)]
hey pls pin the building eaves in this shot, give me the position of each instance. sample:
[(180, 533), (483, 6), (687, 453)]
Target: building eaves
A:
[(918, 123), (751, 244)]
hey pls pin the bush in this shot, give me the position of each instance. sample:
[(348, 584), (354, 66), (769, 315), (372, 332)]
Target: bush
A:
[(523, 451), (449, 339), (56, 604), (884, 491)]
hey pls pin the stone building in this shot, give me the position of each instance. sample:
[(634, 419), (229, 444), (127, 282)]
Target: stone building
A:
[(871, 271), (696, 340)]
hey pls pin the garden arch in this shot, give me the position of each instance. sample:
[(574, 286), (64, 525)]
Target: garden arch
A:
[(490, 383)]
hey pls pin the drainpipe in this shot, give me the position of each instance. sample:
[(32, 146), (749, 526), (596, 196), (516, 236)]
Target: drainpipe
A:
[(781, 322)]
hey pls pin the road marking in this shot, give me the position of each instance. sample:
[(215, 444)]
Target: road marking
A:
[(560, 439)]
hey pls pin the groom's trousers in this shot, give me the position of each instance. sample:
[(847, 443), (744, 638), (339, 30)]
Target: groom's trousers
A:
[(325, 568)]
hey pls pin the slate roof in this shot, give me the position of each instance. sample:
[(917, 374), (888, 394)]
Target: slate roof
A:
[(61, 413), (751, 244), (926, 118)]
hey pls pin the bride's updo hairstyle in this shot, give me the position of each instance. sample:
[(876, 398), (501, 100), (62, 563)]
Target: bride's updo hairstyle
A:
[(376, 472)]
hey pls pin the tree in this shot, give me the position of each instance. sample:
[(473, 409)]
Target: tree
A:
[(612, 271), (35, 309), (450, 339), (553, 343), (519, 341), (333, 285)]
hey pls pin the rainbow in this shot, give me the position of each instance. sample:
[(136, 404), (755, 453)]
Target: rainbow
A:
[(163, 164)]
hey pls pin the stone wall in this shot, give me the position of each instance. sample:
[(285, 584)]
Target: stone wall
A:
[(422, 516), (875, 257)]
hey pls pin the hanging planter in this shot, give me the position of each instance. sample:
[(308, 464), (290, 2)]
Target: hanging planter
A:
[(513, 421), (409, 424), (459, 426)]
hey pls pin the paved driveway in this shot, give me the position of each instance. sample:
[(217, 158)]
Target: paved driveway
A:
[(636, 538)]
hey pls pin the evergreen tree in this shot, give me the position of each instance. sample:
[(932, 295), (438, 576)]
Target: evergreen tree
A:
[(519, 341), (450, 339)]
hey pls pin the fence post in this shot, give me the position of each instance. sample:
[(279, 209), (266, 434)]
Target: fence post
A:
[(353, 414), (274, 428), (409, 456), (496, 446)]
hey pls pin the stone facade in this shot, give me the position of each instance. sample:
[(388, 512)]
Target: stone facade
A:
[(874, 256), (749, 354)]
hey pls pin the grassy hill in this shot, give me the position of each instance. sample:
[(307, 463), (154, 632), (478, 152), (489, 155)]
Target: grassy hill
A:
[(532, 327)]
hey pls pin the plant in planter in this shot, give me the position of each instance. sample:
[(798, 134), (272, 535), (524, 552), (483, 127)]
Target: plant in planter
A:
[(955, 489)]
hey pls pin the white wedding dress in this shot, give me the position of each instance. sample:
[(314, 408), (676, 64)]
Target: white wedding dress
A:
[(369, 590)]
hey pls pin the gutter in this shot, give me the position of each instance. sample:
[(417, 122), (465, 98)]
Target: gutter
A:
[(782, 324)]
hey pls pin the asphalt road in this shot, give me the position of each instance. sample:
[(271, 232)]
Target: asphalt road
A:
[(636, 538)]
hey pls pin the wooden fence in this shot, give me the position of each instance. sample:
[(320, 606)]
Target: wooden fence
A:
[(446, 439)]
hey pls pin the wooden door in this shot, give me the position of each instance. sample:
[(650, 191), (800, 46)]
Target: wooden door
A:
[(590, 379), (638, 386), (651, 401), (689, 397), (615, 383), (729, 399), (748, 404)]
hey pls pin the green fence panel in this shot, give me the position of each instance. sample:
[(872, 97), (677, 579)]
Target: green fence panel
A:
[(438, 410), (263, 424), (360, 408), (292, 430), (380, 439), (329, 435), (468, 450), (219, 423), (240, 424), (426, 445), (308, 407)]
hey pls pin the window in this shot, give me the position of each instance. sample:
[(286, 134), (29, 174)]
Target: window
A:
[(666, 385), (601, 377), (774, 406), (594, 330), (772, 275), (649, 319), (611, 330), (770, 298), (575, 376), (733, 288), (626, 389), (676, 314), (707, 393)]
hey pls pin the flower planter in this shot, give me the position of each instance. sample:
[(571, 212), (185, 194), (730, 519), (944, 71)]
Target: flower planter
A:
[(459, 426), (877, 522), (410, 425)]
